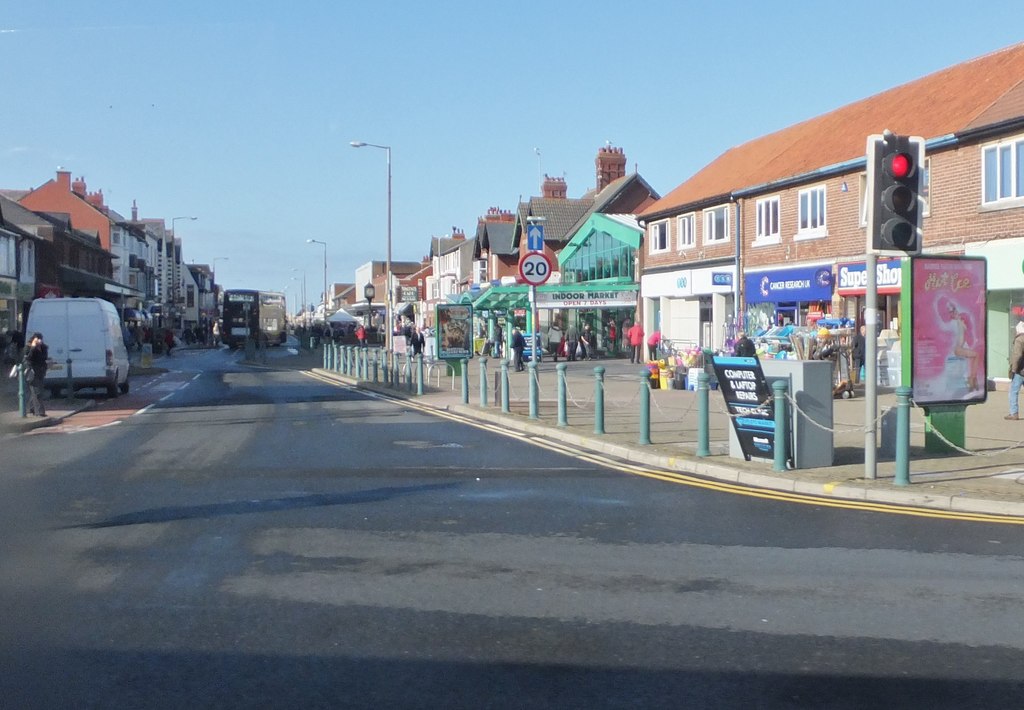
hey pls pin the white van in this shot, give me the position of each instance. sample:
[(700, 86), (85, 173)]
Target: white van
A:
[(88, 331)]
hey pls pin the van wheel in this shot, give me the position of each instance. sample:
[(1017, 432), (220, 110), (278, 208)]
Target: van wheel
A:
[(112, 390), (123, 387)]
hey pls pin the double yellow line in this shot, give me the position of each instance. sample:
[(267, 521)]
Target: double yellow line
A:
[(697, 481)]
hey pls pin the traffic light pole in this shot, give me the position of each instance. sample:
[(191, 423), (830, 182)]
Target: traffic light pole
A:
[(871, 367)]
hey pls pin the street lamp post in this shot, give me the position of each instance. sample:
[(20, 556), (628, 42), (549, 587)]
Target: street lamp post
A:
[(324, 245), (304, 302), (213, 267), (389, 292), (368, 293)]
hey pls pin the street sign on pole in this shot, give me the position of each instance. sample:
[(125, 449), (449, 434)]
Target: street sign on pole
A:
[(535, 237), (535, 268)]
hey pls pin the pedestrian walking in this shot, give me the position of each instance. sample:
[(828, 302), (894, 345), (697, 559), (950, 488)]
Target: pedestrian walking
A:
[(589, 342), (636, 343), (858, 351), (518, 346), (416, 340), (168, 340), (613, 339), (1016, 371), (554, 340), (34, 365), (361, 335)]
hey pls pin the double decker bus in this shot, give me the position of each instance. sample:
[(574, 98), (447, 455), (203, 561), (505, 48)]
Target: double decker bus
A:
[(273, 317), (248, 313)]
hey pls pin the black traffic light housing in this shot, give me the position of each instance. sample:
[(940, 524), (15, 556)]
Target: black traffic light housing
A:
[(895, 177)]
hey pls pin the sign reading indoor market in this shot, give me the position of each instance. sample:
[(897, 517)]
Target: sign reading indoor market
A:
[(586, 298)]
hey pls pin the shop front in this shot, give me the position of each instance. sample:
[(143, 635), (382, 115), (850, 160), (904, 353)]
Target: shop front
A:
[(563, 306), (851, 290), (780, 297), (1005, 298), (691, 307)]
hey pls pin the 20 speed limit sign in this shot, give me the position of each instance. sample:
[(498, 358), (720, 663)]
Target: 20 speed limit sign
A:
[(535, 268)]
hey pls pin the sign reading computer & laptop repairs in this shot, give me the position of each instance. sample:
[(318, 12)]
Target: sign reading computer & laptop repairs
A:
[(750, 404)]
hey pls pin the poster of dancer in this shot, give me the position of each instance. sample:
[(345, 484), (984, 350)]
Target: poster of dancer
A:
[(948, 330)]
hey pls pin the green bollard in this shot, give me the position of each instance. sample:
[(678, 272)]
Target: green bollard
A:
[(386, 364), (645, 407), (376, 366), (563, 417), (599, 400), (703, 425), (483, 382), (326, 355), (465, 380), (534, 390), (903, 436), (779, 393), (505, 407), (419, 374)]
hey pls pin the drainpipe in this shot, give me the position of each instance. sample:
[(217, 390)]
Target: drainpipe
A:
[(739, 264)]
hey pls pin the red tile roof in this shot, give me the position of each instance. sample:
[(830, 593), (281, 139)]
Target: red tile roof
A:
[(978, 92)]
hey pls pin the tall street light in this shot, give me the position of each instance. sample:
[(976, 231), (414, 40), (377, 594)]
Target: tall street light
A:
[(213, 267), (304, 301), (389, 295), (324, 245)]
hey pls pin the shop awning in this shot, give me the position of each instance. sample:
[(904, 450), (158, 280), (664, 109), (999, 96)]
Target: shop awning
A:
[(77, 282)]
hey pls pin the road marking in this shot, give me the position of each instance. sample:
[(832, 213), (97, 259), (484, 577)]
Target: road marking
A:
[(691, 480)]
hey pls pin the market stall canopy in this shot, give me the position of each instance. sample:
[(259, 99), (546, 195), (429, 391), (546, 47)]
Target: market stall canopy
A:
[(342, 316)]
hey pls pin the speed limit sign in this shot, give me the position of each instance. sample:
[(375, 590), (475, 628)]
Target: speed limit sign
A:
[(535, 268)]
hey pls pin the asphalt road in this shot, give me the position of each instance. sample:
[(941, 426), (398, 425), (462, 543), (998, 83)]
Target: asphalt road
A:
[(257, 538)]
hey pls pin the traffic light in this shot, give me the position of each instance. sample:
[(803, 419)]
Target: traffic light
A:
[(895, 174)]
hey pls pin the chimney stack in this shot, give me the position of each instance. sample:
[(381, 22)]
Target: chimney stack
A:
[(78, 186), (64, 179), (611, 165), (135, 212), (554, 188)]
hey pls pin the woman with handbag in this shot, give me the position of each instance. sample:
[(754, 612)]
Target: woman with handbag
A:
[(33, 366)]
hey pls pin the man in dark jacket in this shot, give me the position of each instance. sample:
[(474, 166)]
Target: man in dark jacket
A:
[(518, 346), (744, 346), (34, 366)]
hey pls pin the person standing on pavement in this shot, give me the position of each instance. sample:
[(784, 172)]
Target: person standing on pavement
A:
[(554, 340), (34, 365), (653, 340), (518, 346), (1016, 371), (744, 346), (858, 349), (572, 339), (168, 340), (636, 343)]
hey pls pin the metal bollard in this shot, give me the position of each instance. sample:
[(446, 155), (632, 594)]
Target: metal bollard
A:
[(326, 353), (563, 417), (71, 382), (419, 374), (483, 382), (534, 390), (386, 364), (903, 436), (645, 407), (504, 387), (365, 359), (376, 365), (599, 400), (465, 380), (703, 420), (779, 393), (22, 407)]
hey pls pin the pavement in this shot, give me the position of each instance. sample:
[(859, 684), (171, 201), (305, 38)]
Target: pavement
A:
[(986, 480)]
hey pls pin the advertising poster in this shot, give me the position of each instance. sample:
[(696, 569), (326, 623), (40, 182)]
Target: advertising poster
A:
[(948, 330), (750, 405), (454, 331)]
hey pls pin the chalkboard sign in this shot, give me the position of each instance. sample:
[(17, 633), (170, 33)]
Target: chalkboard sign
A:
[(749, 401)]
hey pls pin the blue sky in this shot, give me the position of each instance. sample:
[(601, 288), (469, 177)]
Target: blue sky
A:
[(241, 113)]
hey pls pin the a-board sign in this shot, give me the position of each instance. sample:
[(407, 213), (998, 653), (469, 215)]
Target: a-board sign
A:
[(749, 401)]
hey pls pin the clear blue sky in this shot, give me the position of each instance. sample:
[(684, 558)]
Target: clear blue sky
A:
[(241, 113)]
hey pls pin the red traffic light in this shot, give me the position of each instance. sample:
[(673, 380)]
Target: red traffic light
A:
[(901, 166)]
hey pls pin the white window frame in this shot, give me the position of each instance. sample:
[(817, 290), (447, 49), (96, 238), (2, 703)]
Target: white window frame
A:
[(767, 210), (711, 235), (808, 196), (1013, 151), (660, 238), (686, 231)]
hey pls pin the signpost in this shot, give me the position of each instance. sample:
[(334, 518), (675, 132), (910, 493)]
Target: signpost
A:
[(534, 269)]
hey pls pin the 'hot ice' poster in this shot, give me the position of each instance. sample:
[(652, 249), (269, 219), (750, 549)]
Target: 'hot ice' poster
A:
[(948, 331)]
